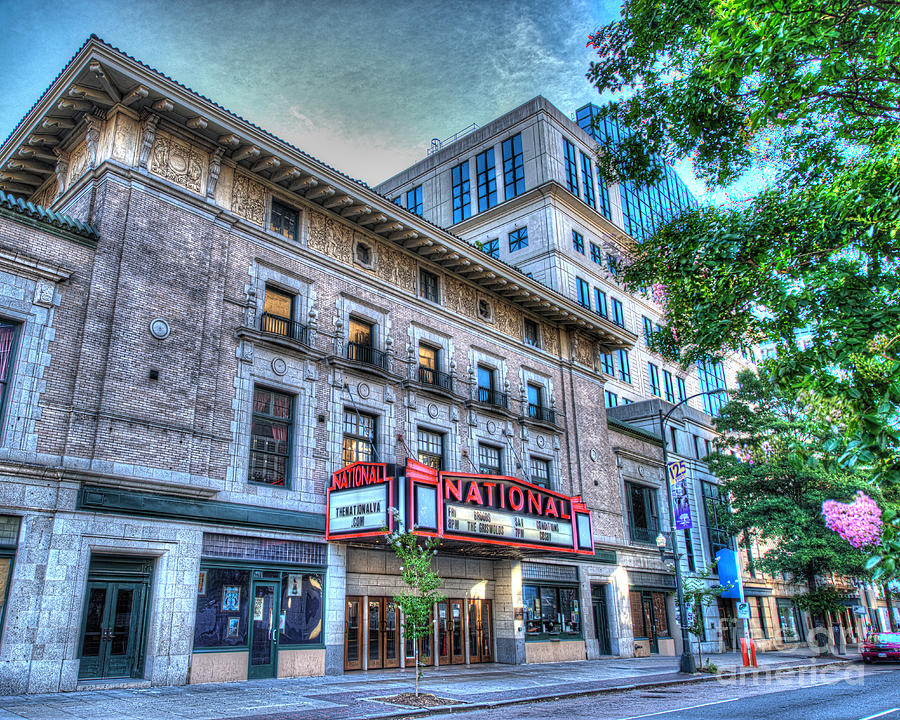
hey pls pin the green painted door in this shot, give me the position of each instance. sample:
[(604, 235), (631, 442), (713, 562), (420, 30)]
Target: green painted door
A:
[(264, 628), (113, 629)]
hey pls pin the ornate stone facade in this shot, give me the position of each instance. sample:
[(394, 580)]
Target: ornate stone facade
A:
[(178, 161), (248, 199)]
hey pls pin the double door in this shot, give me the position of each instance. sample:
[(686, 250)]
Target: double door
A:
[(111, 645), (450, 620), (372, 627), (481, 631)]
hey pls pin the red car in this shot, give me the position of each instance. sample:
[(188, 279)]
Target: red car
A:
[(881, 646)]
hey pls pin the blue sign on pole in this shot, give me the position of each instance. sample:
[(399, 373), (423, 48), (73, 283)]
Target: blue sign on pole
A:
[(678, 480), (729, 573)]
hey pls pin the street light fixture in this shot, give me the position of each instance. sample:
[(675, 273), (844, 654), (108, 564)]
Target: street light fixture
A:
[(688, 664)]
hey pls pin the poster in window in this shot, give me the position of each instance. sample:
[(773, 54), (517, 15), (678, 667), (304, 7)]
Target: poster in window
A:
[(234, 626), (201, 583), (295, 585), (231, 598), (259, 606)]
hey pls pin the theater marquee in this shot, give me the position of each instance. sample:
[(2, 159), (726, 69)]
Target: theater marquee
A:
[(461, 507)]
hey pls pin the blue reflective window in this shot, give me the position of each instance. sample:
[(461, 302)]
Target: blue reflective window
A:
[(587, 181), (669, 387), (712, 377), (653, 372), (600, 302), (648, 331), (604, 196), (396, 201), (624, 367), (414, 200), (518, 239), (492, 248), (618, 314), (462, 205), (513, 166), (596, 254), (486, 177), (578, 241), (571, 167), (682, 390), (606, 363), (584, 292), (611, 399)]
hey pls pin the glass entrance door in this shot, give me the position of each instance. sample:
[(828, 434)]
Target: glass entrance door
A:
[(481, 640), (390, 635), (601, 618), (450, 628), (266, 595), (113, 628), (381, 637), (374, 640), (353, 634)]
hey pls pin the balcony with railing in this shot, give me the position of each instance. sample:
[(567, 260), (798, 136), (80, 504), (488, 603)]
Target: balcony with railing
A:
[(435, 378), (489, 396), (542, 414), (285, 327), (367, 355)]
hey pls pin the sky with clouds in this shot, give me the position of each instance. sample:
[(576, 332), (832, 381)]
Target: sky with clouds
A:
[(362, 84)]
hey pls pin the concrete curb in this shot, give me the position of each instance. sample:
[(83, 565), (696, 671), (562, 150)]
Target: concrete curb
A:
[(699, 678)]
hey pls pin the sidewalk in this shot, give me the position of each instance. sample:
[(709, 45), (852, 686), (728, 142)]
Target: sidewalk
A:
[(350, 696)]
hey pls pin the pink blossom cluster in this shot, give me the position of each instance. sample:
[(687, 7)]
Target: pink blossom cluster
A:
[(859, 522)]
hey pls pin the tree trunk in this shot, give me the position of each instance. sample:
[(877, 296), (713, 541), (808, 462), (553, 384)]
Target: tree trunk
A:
[(890, 606), (416, 656), (818, 620)]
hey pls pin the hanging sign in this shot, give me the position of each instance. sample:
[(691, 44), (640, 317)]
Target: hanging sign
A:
[(678, 478)]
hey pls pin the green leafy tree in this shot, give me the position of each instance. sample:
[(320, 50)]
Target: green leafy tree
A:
[(698, 595), (770, 466), (416, 557), (810, 91)]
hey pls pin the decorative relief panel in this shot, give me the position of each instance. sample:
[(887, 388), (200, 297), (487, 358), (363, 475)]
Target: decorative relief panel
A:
[(178, 161), (316, 232), (460, 298), (125, 140), (79, 161), (396, 268), (338, 240), (507, 320), (551, 340), (248, 199), (46, 196), (583, 351)]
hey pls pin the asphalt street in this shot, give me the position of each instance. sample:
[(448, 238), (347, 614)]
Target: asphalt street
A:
[(853, 692)]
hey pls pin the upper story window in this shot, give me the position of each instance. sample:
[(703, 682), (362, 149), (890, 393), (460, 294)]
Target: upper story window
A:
[(606, 363), (492, 248), (490, 460), (624, 367), (428, 285), (587, 181), (486, 178), (611, 264), (653, 371), (531, 332), (270, 437), (618, 314), (430, 448), (8, 333), (284, 220), (359, 438), (518, 239), (540, 471), (578, 241), (430, 368), (611, 399), (278, 311), (600, 301), (604, 196), (668, 386), (682, 390), (712, 377), (596, 254), (583, 292), (361, 345), (648, 331), (396, 201), (571, 166), (487, 387), (537, 409), (414, 200), (643, 517), (673, 435), (715, 507), (513, 167), (462, 204)]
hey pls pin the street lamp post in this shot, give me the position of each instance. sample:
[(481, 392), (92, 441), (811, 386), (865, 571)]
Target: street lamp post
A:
[(688, 664)]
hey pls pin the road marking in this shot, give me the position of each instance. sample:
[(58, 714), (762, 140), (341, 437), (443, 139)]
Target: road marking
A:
[(885, 712), (694, 707)]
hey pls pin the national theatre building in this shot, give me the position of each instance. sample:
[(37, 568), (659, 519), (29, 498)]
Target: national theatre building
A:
[(223, 363)]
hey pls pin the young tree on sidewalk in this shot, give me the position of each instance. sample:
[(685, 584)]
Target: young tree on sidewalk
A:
[(698, 595), (416, 556)]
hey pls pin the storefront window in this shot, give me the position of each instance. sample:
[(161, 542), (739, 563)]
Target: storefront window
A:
[(223, 601), (551, 612), (301, 608), (786, 619)]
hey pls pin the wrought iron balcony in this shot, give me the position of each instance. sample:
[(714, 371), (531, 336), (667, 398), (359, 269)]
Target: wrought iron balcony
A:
[(489, 396), (443, 380), (646, 535), (277, 325), (367, 355), (541, 414)]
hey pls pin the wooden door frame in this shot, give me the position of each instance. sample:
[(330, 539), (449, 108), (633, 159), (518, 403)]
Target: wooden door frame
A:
[(397, 649), (359, 633), (457, 658), (379, 632)]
